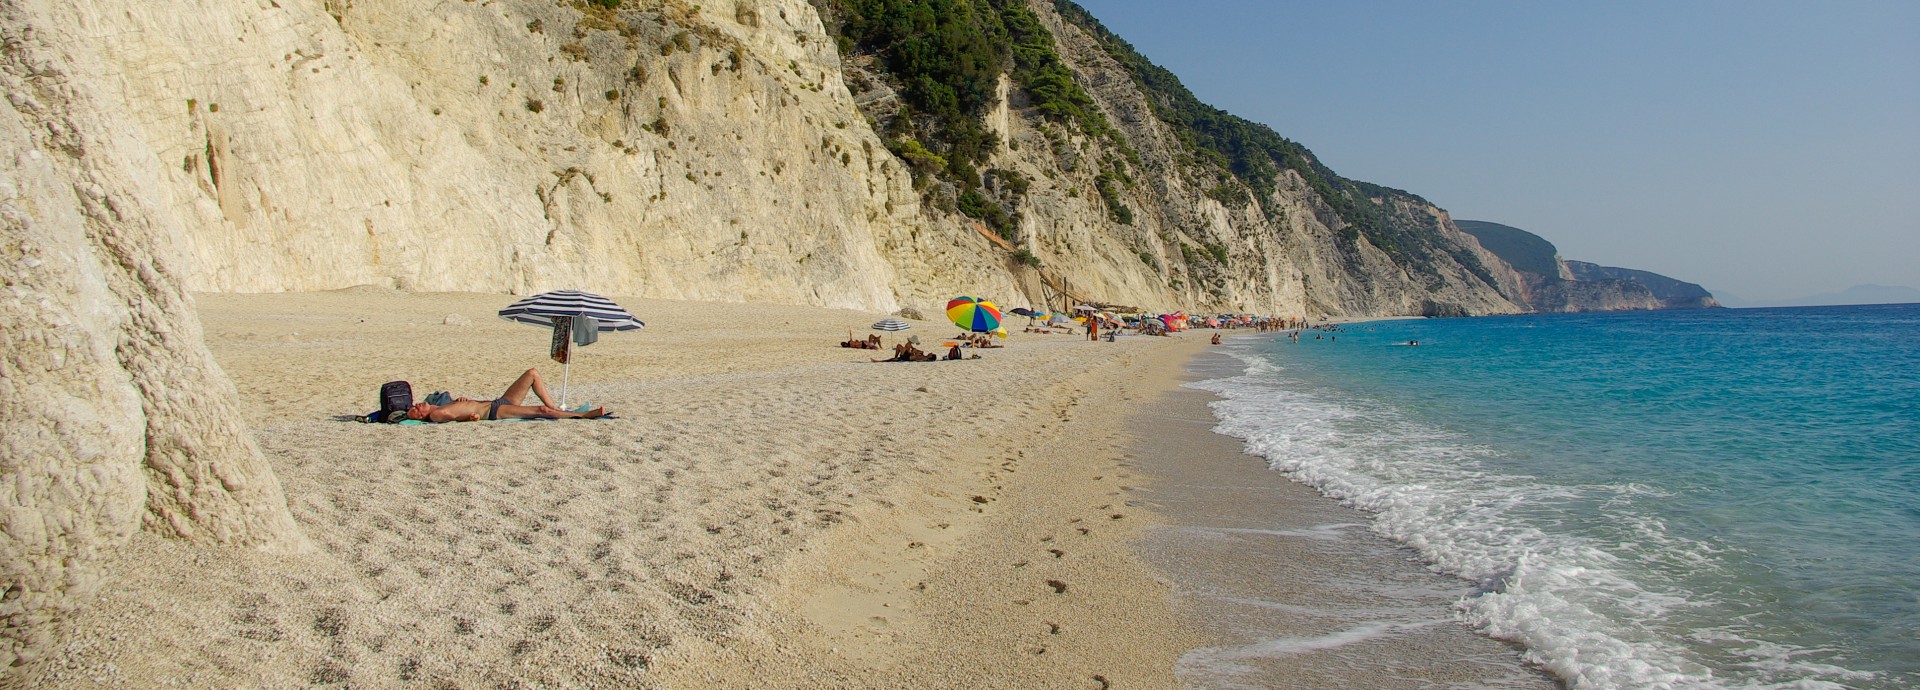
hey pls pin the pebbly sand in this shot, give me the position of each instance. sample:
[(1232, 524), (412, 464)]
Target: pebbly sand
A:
[(767, 510)]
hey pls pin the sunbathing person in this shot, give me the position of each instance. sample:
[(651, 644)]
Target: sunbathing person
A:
[(871, 343), (906, 352), (506, 406), (901, 353)]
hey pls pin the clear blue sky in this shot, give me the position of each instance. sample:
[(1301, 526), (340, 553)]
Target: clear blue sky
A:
[(1765, 149)]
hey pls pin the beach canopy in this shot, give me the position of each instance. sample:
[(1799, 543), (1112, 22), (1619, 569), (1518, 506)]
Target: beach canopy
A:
[(1020, 311), (891, 325), (977, 315), (540, 310), (585, 313)]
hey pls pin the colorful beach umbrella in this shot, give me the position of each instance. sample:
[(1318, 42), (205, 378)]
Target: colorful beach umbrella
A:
[(977, 315), (891, 325)]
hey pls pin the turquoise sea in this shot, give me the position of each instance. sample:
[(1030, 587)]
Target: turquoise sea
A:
[(1716, 498)]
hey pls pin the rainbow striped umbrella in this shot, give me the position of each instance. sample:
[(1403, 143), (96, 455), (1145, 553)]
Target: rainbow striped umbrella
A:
[(977, 315)]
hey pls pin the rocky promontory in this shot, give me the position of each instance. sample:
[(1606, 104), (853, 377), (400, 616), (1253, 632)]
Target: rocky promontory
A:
[(1554, 284)]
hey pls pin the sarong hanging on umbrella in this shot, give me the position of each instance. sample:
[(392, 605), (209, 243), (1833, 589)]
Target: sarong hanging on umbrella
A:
[(583, 314)]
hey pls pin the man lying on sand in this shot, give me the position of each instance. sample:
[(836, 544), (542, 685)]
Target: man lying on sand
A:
[(505, 407)]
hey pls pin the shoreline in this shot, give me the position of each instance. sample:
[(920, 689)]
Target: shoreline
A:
[(1296, 588)]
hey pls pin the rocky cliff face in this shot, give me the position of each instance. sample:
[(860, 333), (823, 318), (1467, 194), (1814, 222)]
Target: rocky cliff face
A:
[(1283, 251), (666, 149), (1668, 292), (114, 415), (1552, 284)]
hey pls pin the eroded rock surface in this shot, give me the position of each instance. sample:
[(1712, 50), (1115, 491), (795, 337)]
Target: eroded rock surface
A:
[(114, 414)]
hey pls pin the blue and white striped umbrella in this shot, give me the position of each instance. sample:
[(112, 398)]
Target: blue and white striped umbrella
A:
[(541, 309), (891, 325)]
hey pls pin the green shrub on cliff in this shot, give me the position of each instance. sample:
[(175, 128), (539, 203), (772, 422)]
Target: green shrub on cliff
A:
[(946, 56)]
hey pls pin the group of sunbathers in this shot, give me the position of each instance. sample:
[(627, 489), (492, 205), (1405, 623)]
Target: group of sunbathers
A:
[(908, 352), (976, 340)]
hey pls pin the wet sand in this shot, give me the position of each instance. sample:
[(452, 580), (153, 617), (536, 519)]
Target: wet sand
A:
[(1297, 590)]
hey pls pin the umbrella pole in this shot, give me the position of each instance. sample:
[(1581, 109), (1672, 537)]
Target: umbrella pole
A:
[(565, 370)]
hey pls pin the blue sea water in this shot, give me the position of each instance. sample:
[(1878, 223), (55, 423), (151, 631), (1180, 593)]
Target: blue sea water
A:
[(1716, 498)]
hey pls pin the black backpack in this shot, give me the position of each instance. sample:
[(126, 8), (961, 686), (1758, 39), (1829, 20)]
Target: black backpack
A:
[(395, 398)]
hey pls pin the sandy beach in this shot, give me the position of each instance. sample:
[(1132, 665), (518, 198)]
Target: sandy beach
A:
[(766, 510)]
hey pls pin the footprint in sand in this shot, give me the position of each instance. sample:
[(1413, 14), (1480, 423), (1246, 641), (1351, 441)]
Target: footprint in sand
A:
[(1057, 553)]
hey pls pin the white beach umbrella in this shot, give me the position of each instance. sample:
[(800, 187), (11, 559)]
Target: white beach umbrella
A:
[(891, 325)]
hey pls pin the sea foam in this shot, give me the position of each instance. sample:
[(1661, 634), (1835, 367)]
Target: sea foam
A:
[(1569, 602)]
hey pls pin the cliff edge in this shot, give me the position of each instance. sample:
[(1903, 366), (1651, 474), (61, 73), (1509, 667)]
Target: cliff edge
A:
[(1553, 284)]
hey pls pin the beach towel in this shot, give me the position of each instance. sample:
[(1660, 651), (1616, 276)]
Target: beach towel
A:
[(582, 407)]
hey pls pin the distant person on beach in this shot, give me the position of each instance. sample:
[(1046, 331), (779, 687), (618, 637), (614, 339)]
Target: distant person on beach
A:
[(507, 406), (906, 352), (1093, 328), (1216, 338), (871, 343)]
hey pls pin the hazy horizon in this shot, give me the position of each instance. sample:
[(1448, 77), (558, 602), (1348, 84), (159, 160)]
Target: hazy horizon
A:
[(1767, 149)]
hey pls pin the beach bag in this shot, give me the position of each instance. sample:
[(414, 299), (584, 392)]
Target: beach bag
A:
[(395, 398)]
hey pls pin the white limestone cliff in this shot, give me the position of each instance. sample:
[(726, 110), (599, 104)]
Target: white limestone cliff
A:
[(115, 417)]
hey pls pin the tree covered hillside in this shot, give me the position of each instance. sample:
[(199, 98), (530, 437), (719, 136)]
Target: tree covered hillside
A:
[(1255, 154), (1524, 250)]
